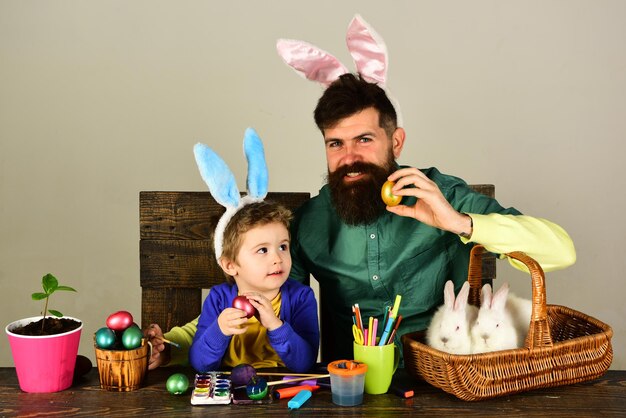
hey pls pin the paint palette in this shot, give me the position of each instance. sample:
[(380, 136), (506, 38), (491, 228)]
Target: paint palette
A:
[(211, 388)]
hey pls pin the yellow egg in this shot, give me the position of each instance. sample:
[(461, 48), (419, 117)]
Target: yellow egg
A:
[(389, 198)]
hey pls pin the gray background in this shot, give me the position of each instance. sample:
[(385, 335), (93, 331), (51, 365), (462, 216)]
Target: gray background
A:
[(102, 99)]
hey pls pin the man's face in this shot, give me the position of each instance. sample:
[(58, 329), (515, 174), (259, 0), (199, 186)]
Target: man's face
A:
[(360, 156)]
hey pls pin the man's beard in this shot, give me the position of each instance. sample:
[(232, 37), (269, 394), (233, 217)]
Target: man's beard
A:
[(359, 202)]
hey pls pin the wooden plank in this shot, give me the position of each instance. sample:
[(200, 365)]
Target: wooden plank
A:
[(604, 396), (191, 215), (169, 307), (489, 259), (486, 189), (178, 263)]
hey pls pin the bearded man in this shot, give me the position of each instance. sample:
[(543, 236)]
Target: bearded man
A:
[(361, 251)]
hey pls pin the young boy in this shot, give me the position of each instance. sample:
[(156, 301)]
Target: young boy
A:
[(256, 259)]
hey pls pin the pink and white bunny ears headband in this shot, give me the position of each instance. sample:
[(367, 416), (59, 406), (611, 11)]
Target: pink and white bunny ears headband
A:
[(367, 48), (222, 184)]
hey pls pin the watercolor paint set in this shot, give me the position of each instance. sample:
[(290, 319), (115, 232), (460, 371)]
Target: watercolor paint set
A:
[(211, 388)]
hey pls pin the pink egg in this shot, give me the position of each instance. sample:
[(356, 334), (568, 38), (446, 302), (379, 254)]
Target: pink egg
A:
[(119, 320), (242, 302)]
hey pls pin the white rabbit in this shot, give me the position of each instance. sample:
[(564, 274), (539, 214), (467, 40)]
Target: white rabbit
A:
[(502, 322), (449, 329)]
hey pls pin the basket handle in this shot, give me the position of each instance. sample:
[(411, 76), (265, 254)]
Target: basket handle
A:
[(539, 330)]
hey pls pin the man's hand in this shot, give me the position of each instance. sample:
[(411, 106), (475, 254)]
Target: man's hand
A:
[(431, 207)]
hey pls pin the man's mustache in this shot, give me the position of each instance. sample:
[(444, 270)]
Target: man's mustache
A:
[(354, 168)]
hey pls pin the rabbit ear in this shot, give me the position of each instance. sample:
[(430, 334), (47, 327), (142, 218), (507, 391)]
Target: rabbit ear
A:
[(217, 176), (368, 51), (499, 298), (485, 296), (310, 62), (461, 298), (257, 168), (448, 294)]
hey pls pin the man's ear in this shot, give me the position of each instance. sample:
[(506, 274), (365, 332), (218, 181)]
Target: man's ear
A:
[(397, 141), (229, 266)]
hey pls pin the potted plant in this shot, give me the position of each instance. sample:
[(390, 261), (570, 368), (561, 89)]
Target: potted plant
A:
[(45, 347)]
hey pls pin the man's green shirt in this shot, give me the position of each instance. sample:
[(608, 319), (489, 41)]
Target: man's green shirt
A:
[(371, 264)]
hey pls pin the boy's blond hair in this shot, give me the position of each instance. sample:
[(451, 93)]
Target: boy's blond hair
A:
[(248, 217)]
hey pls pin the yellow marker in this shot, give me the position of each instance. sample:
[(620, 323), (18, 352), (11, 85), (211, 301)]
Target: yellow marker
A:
[(396, 306), (370, 332)]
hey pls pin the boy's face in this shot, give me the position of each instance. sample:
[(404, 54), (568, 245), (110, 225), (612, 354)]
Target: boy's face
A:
[(263, 261)]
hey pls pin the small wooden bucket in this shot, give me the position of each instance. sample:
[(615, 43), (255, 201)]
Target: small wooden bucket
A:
[(123, 370)]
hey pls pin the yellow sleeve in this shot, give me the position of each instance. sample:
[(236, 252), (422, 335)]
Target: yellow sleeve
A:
[(183, 336), (544, 241)]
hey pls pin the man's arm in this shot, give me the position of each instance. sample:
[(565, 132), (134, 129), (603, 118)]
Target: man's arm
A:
[(541, 239)]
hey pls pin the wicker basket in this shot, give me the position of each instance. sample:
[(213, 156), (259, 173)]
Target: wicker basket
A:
[(562, 347)]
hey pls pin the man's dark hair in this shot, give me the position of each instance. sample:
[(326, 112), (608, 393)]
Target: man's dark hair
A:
[(350, 94)]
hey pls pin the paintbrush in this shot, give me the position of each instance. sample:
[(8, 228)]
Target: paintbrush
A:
[(299, 379), (310, 376), (165, 340)]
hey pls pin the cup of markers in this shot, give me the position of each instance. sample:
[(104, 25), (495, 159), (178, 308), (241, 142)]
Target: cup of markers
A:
[(380, 354)]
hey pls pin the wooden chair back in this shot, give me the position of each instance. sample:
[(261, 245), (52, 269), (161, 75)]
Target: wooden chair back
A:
[(176, 259)]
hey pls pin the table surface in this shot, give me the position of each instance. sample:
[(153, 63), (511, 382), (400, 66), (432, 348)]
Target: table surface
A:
[(605, 396)]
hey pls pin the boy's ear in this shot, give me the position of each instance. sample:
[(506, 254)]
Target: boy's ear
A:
[(228, 266)]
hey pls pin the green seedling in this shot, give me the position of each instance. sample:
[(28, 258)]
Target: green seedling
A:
[(50, 285)]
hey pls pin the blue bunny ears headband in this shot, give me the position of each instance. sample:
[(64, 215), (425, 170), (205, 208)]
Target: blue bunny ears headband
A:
[(222, 185)]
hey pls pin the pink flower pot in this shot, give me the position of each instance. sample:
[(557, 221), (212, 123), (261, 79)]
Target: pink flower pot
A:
[(44, 363)]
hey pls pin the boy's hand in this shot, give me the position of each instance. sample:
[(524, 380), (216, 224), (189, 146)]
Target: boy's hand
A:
[(263, 305), (160, 351), (231, 321)]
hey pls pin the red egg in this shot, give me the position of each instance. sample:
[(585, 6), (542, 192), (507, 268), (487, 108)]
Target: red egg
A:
[(119, 320), (242, 302)]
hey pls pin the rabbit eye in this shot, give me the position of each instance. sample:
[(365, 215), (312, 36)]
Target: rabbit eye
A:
[(497, 325), (458, 327)]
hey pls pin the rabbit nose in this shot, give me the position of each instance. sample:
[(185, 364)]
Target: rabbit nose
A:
[(444, 340), (485, 337)]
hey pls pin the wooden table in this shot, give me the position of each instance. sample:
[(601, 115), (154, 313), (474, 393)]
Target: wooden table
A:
[(605, 397)]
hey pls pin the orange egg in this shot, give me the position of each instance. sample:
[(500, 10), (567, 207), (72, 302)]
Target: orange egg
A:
[(389, 198)]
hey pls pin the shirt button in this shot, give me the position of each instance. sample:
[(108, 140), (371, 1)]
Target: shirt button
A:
[(375, 277), (372, 236)]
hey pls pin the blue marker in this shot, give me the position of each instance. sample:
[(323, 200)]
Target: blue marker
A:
[(383, 339), (392, 317), (297, 401)]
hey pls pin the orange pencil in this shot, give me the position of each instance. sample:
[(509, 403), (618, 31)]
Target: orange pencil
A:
[(395, 328), (359, 320)]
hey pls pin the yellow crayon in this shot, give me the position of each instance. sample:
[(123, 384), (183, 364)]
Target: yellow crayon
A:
[(396, 306)]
